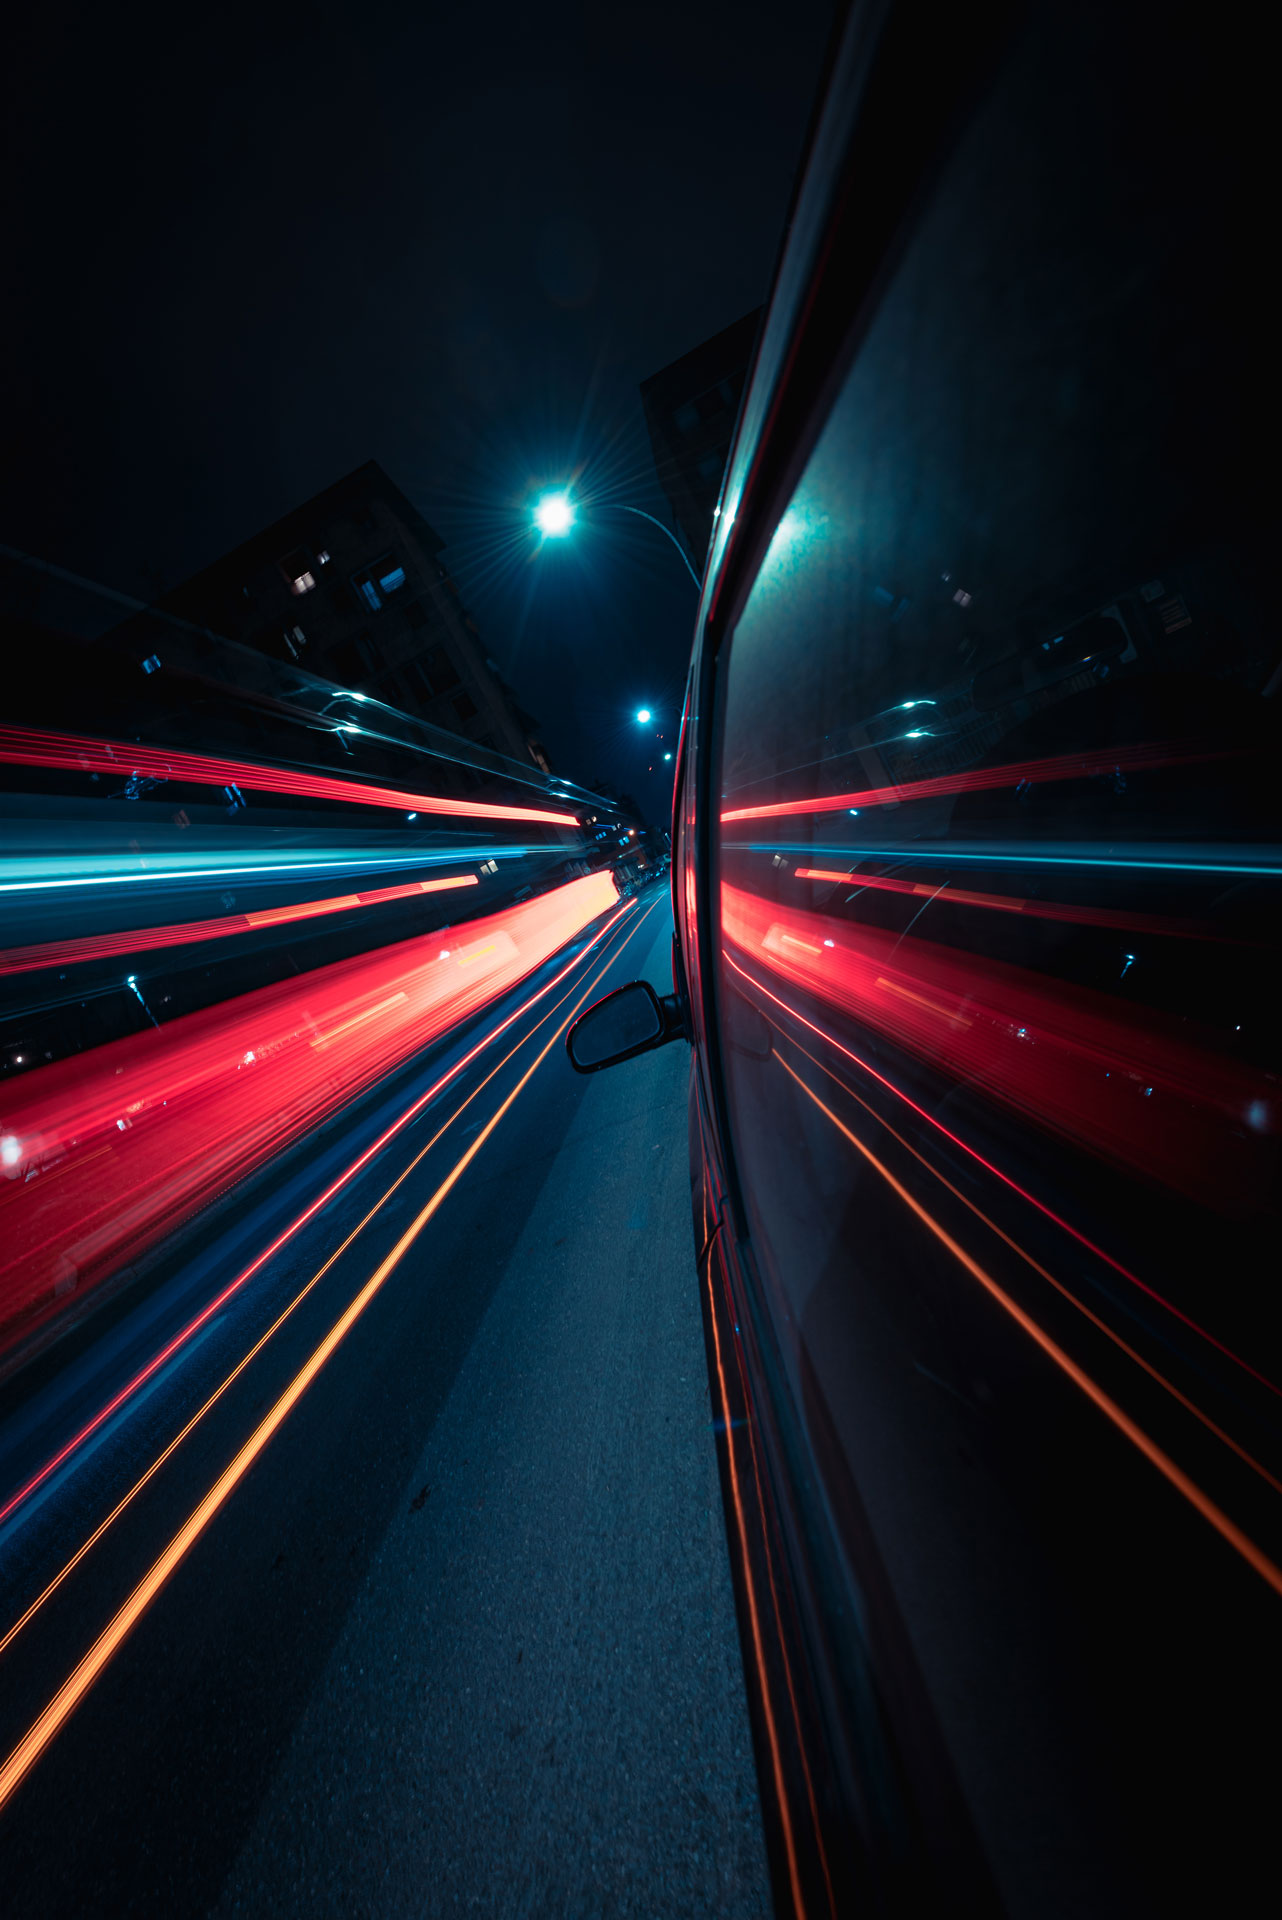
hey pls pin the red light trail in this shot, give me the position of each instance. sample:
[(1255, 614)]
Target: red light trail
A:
[(1068, 766), (22, 746), (1010, 903), (100, 946), (1155, 1455), (1048, 1213), (1126, 1083), (296, 1225), (107, 1152), (85, 1673)]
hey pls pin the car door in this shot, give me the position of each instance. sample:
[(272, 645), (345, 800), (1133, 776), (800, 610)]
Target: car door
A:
[(978, 863)]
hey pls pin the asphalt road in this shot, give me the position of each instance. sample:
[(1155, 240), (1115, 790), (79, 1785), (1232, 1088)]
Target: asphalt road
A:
[(447, 1627)]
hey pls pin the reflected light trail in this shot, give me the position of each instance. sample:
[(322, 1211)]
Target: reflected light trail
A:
[(1012, 903), (1125, 1082), (1262, 862), (1044, 1273), (107, 1152), (1047, 1213), (99, 946), (1226, 1528), (23, 746), (1068, 766)]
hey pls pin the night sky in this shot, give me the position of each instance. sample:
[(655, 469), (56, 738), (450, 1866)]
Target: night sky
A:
[(249, 250)]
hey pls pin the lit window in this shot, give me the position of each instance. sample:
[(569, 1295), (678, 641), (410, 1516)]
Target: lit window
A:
[(322, 558), (297, 570), (370, 593), (389, 582)]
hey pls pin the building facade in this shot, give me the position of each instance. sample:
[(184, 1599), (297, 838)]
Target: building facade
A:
[(351, 586), (690, 411)]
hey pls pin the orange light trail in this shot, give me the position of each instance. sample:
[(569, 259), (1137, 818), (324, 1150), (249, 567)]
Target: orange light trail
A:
[(754, 1618), (104, 1525), (23, 747), (83, 1676), (1190, 1406), (1174, 1475), (1047, 1213), (296, 1225)]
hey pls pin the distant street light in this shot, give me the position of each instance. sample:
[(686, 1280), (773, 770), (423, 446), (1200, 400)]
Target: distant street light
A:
[(554, 516), (667, 756), (643, 716)]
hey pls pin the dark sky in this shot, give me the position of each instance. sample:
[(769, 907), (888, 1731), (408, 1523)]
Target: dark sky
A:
[(251, 249)]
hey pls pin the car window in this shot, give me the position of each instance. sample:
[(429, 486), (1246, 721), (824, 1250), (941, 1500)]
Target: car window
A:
[(998, 880)]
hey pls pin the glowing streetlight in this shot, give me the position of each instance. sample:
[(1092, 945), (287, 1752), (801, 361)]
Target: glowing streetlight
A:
[(644, 716), (554, 515), (667, 756)]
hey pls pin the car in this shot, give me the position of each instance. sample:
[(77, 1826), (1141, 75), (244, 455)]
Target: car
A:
[(976, 864)]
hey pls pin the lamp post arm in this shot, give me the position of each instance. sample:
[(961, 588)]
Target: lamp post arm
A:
[(642, 514)]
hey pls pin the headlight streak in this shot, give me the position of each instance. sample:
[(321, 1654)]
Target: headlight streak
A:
[(1066, 1292), (296, 1226), (22, 746), (132, 870), (83, 1676), (1068, 766), (99, 946), (1041, 1207), (214, 1094), (104, 1525), (1177, 1478)]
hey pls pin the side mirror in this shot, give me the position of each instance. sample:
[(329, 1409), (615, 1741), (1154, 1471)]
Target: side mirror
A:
[(632, 1019)]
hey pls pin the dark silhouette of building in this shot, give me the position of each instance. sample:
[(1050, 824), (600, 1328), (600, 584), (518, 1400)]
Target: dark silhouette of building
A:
[(690, 410), (350, 585)]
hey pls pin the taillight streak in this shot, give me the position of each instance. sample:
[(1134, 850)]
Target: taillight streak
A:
[(296, 1225), (1228, 1530), (1031, 1199), (100, 946), (27, 1752), (22, 746)]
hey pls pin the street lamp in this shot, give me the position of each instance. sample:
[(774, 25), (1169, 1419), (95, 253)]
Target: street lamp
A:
[(554, 516), (644, 716)]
